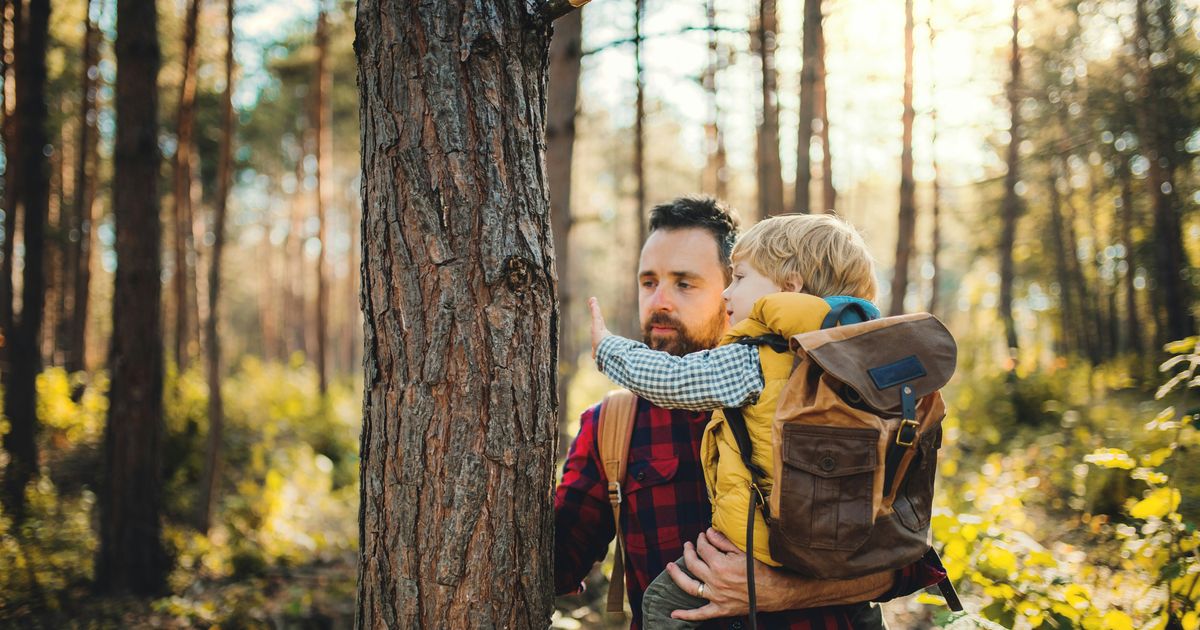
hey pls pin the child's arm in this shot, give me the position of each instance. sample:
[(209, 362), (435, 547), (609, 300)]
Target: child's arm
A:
[(728, 376)]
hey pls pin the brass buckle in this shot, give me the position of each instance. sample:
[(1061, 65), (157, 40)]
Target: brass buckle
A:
[(754, 488), (899, 434)]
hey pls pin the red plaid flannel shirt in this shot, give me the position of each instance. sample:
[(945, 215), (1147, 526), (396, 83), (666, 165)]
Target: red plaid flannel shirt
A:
[(665, 505)]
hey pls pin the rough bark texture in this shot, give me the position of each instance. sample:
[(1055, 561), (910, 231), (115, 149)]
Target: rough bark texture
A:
[(25, 357), (211, 481), (323, 150), (182, 189), (1011, 208), (565, 58), (907, 225), (460, 317), (131, 556), (810, 48), (770, 174), (86, 172)]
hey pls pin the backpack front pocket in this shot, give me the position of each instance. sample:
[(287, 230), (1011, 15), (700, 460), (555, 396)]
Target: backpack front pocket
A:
[(827, 486)]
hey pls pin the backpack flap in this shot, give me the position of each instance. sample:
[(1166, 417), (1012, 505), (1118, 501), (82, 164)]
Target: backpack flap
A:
[(876, 358)]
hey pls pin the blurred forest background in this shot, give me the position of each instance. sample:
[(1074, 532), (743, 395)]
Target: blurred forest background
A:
[(1027, 171)]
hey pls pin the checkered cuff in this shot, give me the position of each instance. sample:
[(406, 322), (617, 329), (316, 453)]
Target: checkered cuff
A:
[(726, 376)]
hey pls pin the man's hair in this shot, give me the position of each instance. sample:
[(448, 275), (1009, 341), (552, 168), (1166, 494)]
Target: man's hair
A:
[(821, 252), (705, 213)]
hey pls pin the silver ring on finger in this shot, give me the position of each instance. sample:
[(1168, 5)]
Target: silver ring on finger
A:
[(700, 591)]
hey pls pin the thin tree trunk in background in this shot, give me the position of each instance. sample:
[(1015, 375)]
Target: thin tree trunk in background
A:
[(1133, 331), (562, 98), (1011, 208), (182, 189), (323, 149), (715, 179), (131, 557), (25, 359), (1088, 333), (810, 50), (935, 247), (86, 172), (770, 174), (907, 226), (12, 179), (639, 157), (1171, 260), (1068, 339), (210, 482), (55, 243), (457, 456), (821, 94)]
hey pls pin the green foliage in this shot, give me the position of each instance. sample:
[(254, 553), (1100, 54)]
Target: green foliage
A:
[(1086, 527)]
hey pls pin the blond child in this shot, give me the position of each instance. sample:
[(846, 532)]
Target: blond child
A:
[(788, 273)]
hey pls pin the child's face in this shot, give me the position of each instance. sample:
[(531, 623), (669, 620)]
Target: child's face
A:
[(747, 286)]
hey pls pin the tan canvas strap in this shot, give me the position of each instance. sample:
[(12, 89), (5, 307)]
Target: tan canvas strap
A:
[(617, 413)]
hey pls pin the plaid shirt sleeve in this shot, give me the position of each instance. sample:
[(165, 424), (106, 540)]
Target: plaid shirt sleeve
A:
[(726, 376), (583, 521)]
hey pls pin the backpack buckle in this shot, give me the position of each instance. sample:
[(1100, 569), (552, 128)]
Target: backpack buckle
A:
[(907, 433), (614, 493)]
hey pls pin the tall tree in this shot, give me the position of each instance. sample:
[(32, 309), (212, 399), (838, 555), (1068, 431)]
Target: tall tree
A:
[(770, 174), (216, 407), (715, 180), (12, 29), (821, 94), (935, 246), (458, 296), (1010, 210), (1133, 333), (562, 97), (185, 119), (639, 150), (323, 148), (907, 225), (131, 557), (810, 50), (86, 171), (25, 357), (1154, 129)]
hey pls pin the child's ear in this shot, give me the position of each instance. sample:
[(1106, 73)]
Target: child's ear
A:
[(794, 286)]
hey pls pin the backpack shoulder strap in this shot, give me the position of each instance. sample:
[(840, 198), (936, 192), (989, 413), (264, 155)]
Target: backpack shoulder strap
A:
[(614, 430)]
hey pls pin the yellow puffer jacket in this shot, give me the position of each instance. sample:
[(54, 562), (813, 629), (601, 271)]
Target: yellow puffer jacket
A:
[(725, 475)]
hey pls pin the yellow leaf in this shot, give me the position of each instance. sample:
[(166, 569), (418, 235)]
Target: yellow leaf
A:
[(1077, 596), (932, 600), (1110, 458), (1000, 559), (1158, 504), (1117, 620), (1066, 611), (1157, 457), (1191, 621)]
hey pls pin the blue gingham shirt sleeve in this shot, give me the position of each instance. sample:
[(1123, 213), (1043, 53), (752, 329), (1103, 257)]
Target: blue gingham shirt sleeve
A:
[(726, 376)]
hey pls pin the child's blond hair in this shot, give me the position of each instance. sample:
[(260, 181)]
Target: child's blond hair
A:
[(821, 254)]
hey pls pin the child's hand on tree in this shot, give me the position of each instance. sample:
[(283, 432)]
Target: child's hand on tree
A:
[(599, 330)]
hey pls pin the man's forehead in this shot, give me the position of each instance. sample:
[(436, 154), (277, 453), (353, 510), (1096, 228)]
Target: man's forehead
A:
[(683, 251)]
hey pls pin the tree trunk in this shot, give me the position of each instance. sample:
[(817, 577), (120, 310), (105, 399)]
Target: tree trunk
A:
[(1133, 331), (459, 299), (131, 557), (323, 150), (86, 172), (565, 58), (182, 178), (715, 179), (829, 193), (210, 482), (1068, 340), (810, 50), (908, 205), (770, 175), (12, 180), (935, 246), (639, 156), (1011, 208), (1171, 261), (25, 359)]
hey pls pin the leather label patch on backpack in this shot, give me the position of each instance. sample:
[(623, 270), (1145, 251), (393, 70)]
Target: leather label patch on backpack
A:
[(907, 369)]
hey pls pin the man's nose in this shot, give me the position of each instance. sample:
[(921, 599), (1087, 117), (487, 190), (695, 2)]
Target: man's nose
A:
[(660, 300)]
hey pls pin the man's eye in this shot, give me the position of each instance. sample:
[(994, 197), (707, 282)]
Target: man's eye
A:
[(685, 285), (649, 284)]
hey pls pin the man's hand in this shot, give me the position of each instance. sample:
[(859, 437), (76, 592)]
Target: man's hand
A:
[(721, 567), (599, 330)]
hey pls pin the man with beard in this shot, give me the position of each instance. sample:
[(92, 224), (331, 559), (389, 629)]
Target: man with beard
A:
[(665, 512)]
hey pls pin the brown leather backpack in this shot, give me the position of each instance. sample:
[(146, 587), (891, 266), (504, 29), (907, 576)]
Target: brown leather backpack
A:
[(855, 439)]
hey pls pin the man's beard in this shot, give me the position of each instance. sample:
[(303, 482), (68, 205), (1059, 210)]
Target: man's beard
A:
[(684, 341)]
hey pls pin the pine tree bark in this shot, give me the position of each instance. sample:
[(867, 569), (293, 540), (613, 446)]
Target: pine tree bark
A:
[(770, 174), (810, 50), (460, 317), (25, 356), (565, 66), (131, 557), (86, 164), (210, 482), (185, 118), (907, 225), (323, 150), (1011, 207)]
